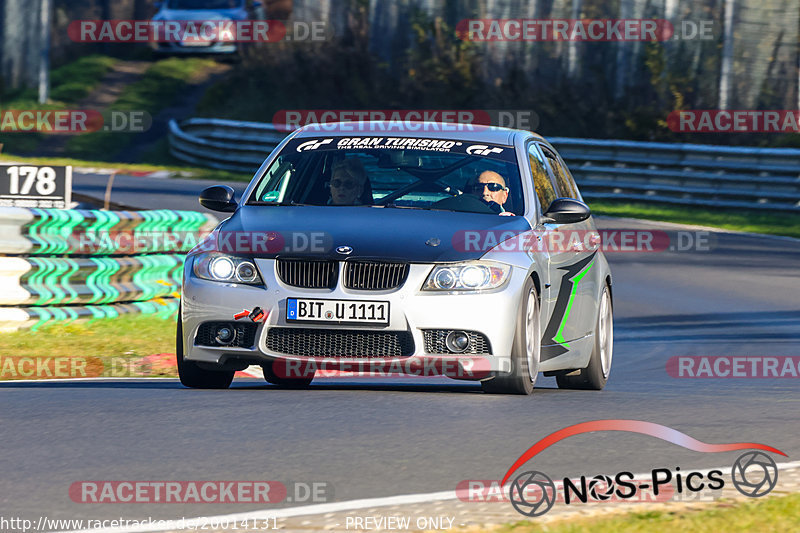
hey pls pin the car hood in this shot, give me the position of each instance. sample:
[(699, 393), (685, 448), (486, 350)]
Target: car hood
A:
[(414, 235)]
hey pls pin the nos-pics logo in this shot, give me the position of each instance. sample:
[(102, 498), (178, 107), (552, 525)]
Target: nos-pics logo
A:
[(533, 493)]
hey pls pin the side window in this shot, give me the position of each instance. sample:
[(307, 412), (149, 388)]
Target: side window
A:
[(541, 181), (564, 185), (273, 185)]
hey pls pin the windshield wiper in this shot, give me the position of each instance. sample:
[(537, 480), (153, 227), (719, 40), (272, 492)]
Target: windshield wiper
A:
[(395, 206)]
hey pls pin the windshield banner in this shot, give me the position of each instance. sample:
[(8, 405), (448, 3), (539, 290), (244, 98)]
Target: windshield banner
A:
[(503, 153)]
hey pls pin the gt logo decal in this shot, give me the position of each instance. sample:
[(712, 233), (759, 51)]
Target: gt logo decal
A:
[(482, 149), (554, 332), (312, 145)]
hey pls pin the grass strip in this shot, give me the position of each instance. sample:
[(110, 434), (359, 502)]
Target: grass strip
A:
[(74, 81), (124, 336), (220, 176), (735, 220), (69, 84), (766, 515), (159, 87)]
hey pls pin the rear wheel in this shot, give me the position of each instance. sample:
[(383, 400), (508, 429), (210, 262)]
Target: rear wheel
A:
[(192, 375), (526, 351), (595, 376), (275, 373)]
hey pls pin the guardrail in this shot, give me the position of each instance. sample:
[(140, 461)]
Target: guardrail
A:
[(688, 174), (223, 144), (69, 264)]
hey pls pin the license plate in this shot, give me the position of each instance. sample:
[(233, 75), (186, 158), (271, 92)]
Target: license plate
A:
[(337, 311), (196, 42)]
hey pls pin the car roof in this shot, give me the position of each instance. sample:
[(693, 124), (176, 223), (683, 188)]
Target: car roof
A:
[(427, 130)]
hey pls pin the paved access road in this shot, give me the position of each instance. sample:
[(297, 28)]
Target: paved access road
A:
[(370, 438)]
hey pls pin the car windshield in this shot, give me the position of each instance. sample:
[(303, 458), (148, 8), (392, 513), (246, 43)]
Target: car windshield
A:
[(417, 173), (204, 4)]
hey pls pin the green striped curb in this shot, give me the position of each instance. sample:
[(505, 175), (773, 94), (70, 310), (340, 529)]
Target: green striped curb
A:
[(12, 319), (41, 281), (94, 232)]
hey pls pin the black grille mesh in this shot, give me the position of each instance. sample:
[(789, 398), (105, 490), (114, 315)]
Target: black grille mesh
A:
[(435, 342), (340, 343), (308, 273), (374, 276), (244, 338)]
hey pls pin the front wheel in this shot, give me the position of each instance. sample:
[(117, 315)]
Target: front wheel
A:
[(192, 375), (595, 376), (526, 351)]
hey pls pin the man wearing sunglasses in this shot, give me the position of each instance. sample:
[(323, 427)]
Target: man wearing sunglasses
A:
[(491, 187), (347, 182)]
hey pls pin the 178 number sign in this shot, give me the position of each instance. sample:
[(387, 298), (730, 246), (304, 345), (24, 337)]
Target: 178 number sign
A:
[(35, 186)]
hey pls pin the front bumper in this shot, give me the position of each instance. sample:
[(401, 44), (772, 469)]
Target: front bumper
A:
[(221, 48), (491, 313)]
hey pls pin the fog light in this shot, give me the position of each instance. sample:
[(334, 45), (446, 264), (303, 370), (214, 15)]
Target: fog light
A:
[(225, 335), (457, 341)]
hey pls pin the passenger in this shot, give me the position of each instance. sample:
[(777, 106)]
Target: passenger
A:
[(347, 182), (491, 187)]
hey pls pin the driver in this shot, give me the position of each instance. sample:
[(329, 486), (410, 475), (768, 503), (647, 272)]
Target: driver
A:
[(491, 187), (347, 182)]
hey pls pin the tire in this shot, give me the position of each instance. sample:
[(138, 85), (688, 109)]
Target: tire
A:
[(595, 376), (272, 377), (192, 375), (526, 351)]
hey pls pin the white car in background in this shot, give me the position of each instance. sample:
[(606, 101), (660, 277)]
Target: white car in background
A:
[(204, 10)]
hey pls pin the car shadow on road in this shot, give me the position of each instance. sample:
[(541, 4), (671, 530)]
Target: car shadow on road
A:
[(323, 385), (101, 383), (458, 387)]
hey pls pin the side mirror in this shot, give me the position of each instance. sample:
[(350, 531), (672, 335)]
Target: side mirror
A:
[(218, 198), (566, 211)]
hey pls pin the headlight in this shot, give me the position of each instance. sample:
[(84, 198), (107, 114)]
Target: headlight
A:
[(472, 276), (221, 267)]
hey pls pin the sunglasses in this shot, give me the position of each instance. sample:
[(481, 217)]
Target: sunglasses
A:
[(494, 187), (345, 184)]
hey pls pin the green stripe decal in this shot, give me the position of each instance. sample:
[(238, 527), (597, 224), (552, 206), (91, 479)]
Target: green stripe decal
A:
[(559, 337)]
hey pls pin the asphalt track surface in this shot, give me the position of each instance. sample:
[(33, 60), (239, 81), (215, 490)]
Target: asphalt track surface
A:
[(383, 437), (146, 192)]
